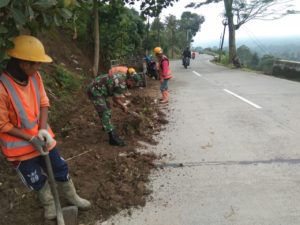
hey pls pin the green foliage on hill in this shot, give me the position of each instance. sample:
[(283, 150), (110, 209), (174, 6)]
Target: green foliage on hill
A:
[(62, 87), (32, 16)]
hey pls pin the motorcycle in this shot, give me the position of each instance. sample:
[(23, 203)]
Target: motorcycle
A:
[(186, 62), (151, 69)]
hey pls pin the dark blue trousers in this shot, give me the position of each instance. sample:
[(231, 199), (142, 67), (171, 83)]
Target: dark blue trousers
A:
[(33, 172)]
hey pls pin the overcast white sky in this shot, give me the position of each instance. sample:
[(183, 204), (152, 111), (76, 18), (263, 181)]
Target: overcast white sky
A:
[(212, 28)]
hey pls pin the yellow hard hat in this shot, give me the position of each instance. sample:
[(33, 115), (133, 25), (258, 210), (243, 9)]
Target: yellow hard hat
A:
[(29, 48), (131, 70), (158, 50)]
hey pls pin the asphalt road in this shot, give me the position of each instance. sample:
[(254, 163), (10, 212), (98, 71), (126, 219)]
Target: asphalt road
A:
[(232, 146)]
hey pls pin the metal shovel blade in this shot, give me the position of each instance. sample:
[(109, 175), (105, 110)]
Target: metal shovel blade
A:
[(70, 215)]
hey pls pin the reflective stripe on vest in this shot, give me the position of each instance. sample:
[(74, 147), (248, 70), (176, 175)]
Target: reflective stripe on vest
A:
[(16, 144), (25, 123), (13, 146)]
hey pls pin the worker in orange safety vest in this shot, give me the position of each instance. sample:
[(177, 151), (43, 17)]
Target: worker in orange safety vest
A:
[(24, 131), (165, 74)]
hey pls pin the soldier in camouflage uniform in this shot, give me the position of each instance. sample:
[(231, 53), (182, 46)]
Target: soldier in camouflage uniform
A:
[(99, 91)]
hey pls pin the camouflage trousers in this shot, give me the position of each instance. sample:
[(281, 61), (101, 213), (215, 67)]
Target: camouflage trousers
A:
[(101, 105)]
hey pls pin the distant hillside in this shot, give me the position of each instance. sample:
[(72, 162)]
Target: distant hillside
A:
[(282, 47)]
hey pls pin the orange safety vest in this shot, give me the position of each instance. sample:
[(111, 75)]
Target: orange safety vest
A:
[(118, 69), (169, 72), (28, 119)]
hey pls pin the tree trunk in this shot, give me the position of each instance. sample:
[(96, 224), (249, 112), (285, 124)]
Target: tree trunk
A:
[(172, 38), (96, 39), (231, 30), (147, 38)]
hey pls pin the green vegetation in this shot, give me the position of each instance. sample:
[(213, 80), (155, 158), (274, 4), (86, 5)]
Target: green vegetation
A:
[(173, 35), (62, 87), (33, 16), (64, 80), (123, 33), (248, 59)]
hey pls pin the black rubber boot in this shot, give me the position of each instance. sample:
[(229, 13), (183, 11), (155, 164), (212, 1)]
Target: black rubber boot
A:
[(115, 140)]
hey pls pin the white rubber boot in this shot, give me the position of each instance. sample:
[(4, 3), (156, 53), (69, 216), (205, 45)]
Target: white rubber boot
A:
[(46, 198), (70, 194)]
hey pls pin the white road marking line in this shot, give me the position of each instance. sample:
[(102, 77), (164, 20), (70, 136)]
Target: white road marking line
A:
[(243, 99), (198, 74)]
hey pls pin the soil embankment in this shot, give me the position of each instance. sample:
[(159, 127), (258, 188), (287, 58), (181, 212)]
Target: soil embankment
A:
[(112, 178)]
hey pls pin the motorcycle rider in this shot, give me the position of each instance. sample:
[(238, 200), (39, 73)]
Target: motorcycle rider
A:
[(186, 54), (150, 68)]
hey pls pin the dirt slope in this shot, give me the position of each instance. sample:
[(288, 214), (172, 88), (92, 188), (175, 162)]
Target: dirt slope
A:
[(112, 178)]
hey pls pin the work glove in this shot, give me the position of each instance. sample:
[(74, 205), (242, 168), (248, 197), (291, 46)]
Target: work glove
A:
[(38, 144), (44, 135)]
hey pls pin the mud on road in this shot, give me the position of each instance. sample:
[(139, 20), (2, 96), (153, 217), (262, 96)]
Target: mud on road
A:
[(112, 178)]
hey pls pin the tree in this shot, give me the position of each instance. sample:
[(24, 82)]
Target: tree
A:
[(244, 54), (173, 32), (152, 8), (148, 7), (171, 25), (34, 15), (238, 12), (190, 24), (266, 64), (96, 38), (123, 30), (254, 61), (157, 29)]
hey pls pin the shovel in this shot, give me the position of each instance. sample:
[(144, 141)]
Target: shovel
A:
[(66, 215)]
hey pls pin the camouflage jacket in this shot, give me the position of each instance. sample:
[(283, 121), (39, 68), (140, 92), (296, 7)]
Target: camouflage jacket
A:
[(105, 86)]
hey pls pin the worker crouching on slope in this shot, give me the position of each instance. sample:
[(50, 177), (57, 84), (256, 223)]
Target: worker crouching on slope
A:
[(23, 124), (100, 89), (164, 73), (133, 79)]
